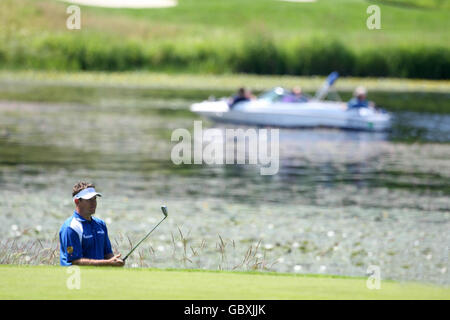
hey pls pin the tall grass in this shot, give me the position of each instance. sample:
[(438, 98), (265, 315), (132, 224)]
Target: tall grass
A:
[(34, 252), (186, 253), (259, 55)]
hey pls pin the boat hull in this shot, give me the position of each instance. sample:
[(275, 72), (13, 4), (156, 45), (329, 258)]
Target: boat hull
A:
[(294, 115)]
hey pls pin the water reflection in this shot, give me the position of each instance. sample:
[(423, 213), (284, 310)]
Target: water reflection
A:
[(375, 192), (428, 127)]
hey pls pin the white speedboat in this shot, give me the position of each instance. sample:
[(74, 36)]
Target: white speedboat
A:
[(270, 110)]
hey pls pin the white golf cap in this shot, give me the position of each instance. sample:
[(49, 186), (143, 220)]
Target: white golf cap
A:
[(359, 91), (86, 194)]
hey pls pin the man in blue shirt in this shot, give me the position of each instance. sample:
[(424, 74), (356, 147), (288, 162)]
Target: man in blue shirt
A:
[(360, 99), (242, 95), (84, 238)]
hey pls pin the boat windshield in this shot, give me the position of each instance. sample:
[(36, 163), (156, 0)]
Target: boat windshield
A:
[(273, 95)]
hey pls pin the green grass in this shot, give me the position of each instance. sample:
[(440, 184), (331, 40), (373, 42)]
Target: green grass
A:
[(429, 4), (45, 282), (91, 88), (226, 20), (214, 36), (344, 19), (227, 82)]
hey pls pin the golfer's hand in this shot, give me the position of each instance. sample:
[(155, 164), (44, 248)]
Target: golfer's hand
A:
[(115, 261)]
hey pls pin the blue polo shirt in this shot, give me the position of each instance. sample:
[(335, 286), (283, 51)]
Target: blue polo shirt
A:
[(81, 238), (356, 103)]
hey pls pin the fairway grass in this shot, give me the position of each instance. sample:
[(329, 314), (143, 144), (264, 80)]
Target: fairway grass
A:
[(49, 282)]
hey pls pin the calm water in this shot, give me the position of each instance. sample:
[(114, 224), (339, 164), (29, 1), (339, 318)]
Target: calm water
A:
[(342, 200)]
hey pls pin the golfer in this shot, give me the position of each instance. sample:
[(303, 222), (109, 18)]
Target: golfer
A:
[(83, 238)]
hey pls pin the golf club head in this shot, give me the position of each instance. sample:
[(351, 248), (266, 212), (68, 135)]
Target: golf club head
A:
[(164, 210)]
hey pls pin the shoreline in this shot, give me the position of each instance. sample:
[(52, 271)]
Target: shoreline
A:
[(160, 80)]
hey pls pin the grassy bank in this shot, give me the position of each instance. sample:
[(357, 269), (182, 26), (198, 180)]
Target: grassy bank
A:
[(93, 87), (259, 37), (109, 283), (259, 55), (429, 4)]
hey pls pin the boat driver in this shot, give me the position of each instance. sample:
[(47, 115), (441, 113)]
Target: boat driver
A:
[(242, 95)]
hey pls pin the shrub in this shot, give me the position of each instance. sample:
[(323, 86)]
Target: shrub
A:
[(260, 55)]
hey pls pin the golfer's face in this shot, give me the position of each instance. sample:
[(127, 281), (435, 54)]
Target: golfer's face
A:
[(88, 206)]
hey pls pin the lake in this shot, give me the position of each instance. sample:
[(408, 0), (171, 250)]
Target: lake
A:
[(341, 201)]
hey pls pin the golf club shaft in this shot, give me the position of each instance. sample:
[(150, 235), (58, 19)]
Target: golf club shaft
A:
[(143, 239)]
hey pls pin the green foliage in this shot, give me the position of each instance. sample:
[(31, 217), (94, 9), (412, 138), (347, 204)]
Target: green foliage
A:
[(320, 57), (242, 36), (404, 62), (429, 4), (258, 55)]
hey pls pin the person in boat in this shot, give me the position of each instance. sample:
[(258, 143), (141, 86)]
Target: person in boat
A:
[(359, 99), (296, 95), (242, 95)]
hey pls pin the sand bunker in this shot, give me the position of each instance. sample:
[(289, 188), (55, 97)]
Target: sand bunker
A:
[(299, 0), (126, 3)]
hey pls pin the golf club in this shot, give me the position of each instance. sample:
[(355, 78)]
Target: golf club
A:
[(164, 211)]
